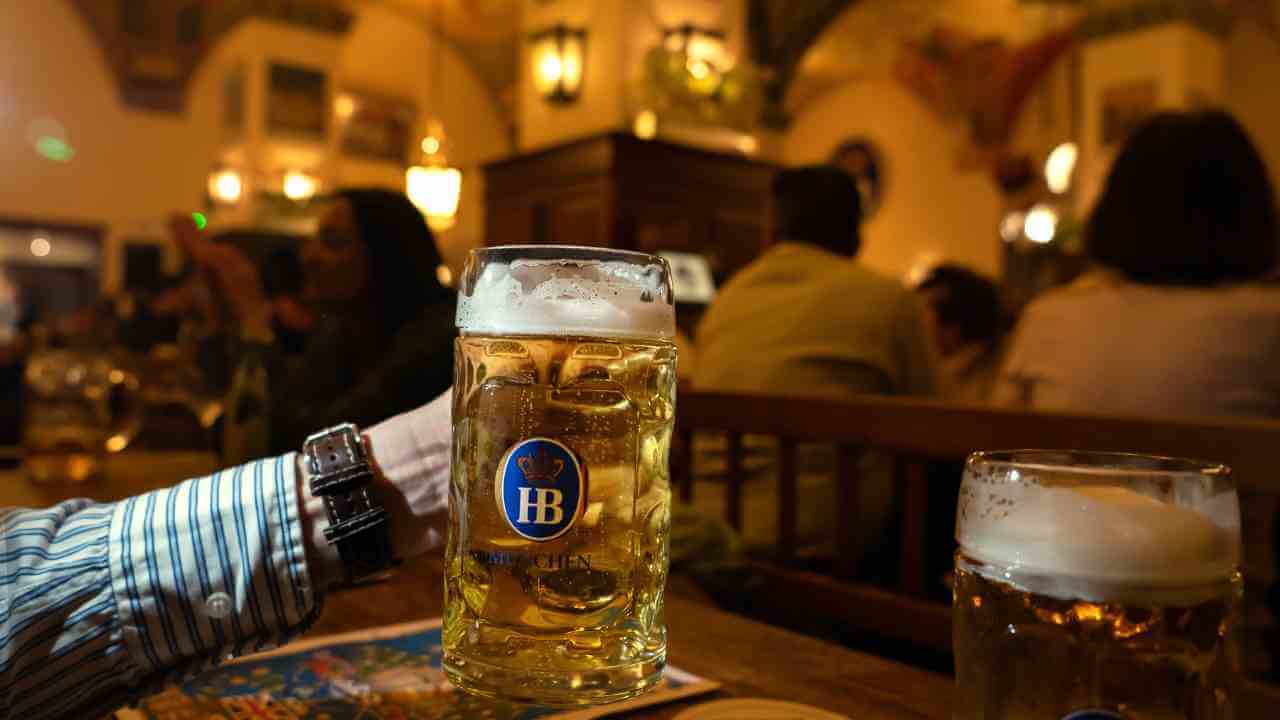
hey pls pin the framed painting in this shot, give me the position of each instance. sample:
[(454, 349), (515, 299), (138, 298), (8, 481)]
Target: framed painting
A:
[(375, 127), (297, 101)]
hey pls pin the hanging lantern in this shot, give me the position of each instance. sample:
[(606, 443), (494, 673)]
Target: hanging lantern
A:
[(434, 187), (559, 55)]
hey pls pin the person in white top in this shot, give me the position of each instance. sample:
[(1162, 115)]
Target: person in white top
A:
[(1177, 319)]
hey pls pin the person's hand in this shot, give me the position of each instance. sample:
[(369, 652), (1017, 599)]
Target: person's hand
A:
[(231, 275), (293, 314), (410, 454)]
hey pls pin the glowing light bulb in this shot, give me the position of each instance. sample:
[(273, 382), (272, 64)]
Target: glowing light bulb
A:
[(40, 246), (299, 185), (1012, 224), (344, 106), (226, 186), (430, 145), (1041, 224), (1059, 167), (646, 125)]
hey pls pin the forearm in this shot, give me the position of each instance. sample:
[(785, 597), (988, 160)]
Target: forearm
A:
[(104, 602), (108, 601)]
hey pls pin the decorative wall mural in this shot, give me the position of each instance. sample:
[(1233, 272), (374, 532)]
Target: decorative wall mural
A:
[(982, 81), (154, 46)]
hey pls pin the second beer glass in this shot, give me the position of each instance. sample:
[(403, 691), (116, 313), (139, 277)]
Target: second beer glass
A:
[(559, 514), (1095, 585)]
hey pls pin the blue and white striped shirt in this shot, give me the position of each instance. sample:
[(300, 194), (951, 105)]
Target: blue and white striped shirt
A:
[(100, 603)]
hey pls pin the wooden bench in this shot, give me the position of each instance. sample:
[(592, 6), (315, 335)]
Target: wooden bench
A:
[(917, 432)]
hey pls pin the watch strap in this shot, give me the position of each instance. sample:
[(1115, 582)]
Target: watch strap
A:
[(358, 526)]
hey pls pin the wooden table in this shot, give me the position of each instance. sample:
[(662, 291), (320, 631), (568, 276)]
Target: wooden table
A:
[(749, 659)]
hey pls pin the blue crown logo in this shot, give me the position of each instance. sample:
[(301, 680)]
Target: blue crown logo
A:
[(540, 488)]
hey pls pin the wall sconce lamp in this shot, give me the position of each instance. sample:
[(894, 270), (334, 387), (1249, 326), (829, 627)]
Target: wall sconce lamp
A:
[(703, 52), (559, 55)]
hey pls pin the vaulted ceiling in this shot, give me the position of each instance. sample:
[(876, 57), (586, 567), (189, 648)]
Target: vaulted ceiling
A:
[(804, 47)]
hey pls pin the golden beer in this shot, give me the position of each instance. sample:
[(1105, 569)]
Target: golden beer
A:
[(1094, 585), (560, 498)]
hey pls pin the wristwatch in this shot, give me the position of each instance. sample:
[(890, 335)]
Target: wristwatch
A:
[(341, 475)]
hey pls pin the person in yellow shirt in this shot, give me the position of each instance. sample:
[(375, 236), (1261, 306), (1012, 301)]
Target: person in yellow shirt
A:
[(806, 319)]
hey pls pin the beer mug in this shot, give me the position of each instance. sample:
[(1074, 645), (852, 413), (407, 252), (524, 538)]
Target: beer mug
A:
[(1095, 585), (559, 513), (80, 405)]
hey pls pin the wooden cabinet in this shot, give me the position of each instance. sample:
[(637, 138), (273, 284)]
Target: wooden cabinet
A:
[(619, 191)]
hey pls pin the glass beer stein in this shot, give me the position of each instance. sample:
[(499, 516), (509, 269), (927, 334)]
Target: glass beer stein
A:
[(1095, 585), (564, 399)]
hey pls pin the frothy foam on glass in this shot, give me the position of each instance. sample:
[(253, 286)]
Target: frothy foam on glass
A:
[(1087, 541), (567, 297)]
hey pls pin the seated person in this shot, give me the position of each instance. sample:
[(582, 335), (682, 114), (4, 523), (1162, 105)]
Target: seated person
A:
[(382, 338), (806, 319), (967, 319), (1175, 320)]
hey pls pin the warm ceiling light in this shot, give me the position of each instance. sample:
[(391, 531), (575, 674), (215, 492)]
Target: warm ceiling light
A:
[(646, 125), (1059, 167), (430, 145), (434, 190), (344, 106), (1012, 224), (299, 186), (559, 54), (225, 186), (40, 246), (1041, 224)]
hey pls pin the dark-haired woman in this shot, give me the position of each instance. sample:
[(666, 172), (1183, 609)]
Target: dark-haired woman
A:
[(1175, 320), (382, 343)]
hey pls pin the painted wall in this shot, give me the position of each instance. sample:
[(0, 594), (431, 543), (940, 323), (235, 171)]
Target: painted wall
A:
[(1252, 60), (1182, 63), (129, 167), (132, 168), (931, 208)]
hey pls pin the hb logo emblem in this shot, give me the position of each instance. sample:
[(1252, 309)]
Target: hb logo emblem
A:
[(541, 488)]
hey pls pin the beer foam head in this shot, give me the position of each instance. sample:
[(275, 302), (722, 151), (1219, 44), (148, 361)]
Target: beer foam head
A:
[(567, 291), (1075, 539)]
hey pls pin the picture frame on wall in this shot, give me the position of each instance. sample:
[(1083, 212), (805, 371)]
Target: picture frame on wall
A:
[(375, 127), (297, 101)]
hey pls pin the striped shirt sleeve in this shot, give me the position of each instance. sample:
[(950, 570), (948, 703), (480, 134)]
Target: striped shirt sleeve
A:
[(100, 603)]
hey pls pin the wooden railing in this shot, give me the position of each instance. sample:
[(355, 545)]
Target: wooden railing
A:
[(920, 431)]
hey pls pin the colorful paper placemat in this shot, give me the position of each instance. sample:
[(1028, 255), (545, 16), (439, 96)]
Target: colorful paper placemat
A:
[(390, 673)]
